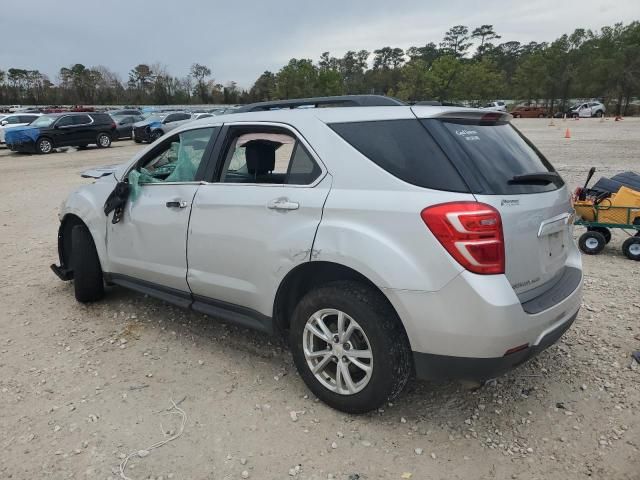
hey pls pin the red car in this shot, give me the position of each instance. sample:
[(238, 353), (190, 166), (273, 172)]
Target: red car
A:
[(529, 111)]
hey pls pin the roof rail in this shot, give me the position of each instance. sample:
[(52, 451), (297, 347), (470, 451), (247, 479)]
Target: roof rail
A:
[(338, 101)]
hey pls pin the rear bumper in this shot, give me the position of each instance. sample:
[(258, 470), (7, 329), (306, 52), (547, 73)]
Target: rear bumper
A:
[(480, 316), (443, 367)]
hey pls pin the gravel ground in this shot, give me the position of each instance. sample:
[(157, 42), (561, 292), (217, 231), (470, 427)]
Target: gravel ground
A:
[(81, 386)]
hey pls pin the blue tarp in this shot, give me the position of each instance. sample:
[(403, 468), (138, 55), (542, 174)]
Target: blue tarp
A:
[(21, 135)]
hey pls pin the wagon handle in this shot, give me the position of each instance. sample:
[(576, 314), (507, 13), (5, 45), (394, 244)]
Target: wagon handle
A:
[(592, 171)]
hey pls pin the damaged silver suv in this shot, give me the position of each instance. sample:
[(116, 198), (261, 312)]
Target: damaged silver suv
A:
[(382, 239)]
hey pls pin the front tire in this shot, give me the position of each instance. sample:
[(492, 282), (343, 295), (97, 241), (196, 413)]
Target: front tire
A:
[(103, 140), (631, 248), (88, 284), (349, 346), (592, 242), (44, 146)]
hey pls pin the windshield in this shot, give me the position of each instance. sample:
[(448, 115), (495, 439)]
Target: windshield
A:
[(43, 122)]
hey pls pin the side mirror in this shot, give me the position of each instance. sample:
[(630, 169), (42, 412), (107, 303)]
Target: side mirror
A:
[(4, 122)]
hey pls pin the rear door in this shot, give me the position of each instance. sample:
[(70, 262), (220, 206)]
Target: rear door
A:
[(585, 111), (85, 130), (257, 217), (496, 160)]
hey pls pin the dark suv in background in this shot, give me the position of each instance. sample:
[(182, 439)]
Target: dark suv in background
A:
[(62, 130)]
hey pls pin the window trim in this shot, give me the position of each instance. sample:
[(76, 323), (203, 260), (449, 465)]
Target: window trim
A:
[(212, 176), (204, 163), (72, 125)]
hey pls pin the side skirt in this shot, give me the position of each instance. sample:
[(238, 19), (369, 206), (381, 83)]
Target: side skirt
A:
[(227, 312)]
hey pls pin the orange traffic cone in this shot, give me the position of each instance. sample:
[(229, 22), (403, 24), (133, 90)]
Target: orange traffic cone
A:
[(567, 134)]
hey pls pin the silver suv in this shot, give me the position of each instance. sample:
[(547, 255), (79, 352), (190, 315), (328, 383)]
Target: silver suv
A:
[(382, 239)]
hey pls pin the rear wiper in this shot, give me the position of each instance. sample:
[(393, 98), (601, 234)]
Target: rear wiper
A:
[(540, 178)]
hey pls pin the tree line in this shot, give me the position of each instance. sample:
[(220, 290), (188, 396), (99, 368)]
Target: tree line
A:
[(467, 65)]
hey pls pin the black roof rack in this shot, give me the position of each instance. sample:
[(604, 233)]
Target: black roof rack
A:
[(338, 101)]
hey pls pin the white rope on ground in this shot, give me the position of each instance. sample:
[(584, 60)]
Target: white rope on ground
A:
[(143, 453)]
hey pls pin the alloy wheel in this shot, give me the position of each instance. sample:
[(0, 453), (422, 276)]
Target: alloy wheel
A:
[(337, 351)]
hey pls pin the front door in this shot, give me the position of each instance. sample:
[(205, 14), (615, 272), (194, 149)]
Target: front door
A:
[(585, 111), (64, 132), (150, 241), (257, 218)]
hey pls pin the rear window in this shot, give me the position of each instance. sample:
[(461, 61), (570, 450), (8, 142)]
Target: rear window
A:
[(491, 154), (406, 150)]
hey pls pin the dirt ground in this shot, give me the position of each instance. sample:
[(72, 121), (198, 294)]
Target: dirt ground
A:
[(81, 386)]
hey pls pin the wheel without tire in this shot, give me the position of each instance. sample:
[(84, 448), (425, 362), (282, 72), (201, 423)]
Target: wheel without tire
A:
[(349, 346), (103, 140), (606, 233), (631, 248), (88, 284), (592, 243), (44, 146)]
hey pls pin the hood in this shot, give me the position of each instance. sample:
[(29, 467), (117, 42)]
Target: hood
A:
[(147, 123), (103, 171), (21, 134)]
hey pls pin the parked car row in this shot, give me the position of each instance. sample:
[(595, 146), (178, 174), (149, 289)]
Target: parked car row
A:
[(582, 110), (37, 133)]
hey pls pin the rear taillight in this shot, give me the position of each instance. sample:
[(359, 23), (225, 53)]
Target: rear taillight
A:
[(471, 232), (113, 125)]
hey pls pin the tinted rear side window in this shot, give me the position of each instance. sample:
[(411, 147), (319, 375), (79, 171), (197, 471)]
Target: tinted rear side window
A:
[(404, 149), (490, 154)]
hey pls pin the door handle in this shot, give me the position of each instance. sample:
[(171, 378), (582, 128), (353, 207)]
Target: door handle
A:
[(177, 204), (282, 204)]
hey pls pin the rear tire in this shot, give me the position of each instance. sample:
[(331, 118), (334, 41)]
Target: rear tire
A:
[(88, 284), (599, 113), (606, 233), (592, 242), (375, 328), (44, 146), (631, 248), (103, 140)]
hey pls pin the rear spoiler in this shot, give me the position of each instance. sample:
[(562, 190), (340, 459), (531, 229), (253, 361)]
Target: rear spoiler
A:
[(489, 116)]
